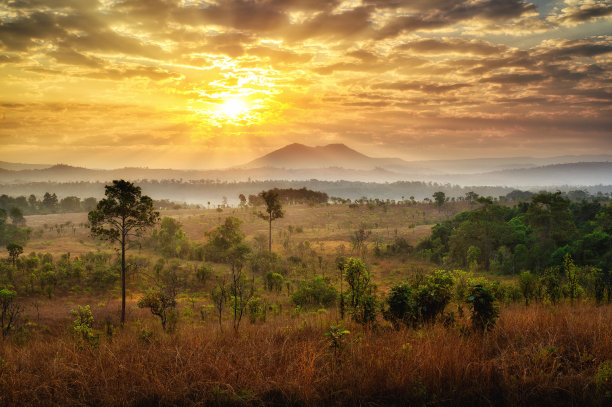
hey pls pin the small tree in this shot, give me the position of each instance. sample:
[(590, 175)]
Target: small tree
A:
[(274, 211), (122, 217), (572, 277), (9, 310), (484, 311), (17, 216), (14, 251), (362, 301), (161, 305), (528, 284), (219, 296)]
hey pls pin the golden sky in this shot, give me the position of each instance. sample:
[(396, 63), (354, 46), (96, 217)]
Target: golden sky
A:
[(200, 84)]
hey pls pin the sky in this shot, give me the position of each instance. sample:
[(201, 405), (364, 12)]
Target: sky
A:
[(203, 84)]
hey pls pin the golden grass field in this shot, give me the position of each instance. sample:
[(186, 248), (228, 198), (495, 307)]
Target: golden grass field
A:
[(537, 355)]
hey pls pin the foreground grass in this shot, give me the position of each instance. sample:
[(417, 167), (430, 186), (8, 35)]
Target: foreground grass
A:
[(539, 355)]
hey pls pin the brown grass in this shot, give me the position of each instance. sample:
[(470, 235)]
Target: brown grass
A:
[(535, 356)]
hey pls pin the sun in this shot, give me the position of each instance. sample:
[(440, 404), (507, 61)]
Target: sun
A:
[(234, 107)]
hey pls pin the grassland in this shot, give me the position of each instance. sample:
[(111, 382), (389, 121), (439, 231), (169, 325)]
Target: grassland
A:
[(543, 354)]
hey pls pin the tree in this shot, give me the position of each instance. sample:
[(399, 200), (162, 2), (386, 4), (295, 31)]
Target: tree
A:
[(243, 200), (122, 217), (14, 251), (440, 198), (17, 216), (50, 201), (274, 210), (9, 310)]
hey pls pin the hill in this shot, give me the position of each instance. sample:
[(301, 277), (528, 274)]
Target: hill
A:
[(299, 156)]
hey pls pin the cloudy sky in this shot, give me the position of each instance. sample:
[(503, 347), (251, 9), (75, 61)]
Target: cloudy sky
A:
[(198, 84)]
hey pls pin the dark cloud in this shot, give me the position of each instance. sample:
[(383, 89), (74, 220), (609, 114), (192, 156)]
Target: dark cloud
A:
[(514, 78), (444, 13), (588, 11), (452, 46), (421, 87)]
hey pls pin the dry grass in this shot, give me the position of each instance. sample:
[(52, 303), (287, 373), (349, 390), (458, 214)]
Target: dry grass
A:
[(535, 356)]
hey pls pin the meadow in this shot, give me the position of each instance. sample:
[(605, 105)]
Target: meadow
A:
[(301, 341)]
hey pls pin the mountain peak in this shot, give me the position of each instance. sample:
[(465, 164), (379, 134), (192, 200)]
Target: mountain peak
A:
[(300, 156)]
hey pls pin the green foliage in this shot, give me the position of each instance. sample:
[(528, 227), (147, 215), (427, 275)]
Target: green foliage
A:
[(336, 338), (603, 379), (256, 310), (482, 304), (357, 277), (204, 272), (14, 251), (473, 257), (571, 275), (528, 284), (120, 217), (274, 281), (82, 326), (273, 211), (314, 293), (439, 197), (223, 238), (9, 310), (420, 301), (400, 305), (161, 305)]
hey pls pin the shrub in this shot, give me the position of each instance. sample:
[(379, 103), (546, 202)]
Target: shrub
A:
[(9, 311), (484, 311), (204, 272), (314, 293), (528, 284), (82, 326), (603, 379), (161, 305), (274, 281), (420, 301), (432, 297), (256, 310), (400, 305)]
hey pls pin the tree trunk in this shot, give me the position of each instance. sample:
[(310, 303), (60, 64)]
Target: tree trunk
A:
[(123, 280), (270, 240)]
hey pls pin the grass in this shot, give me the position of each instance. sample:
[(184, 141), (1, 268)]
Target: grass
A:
[(539, 355)]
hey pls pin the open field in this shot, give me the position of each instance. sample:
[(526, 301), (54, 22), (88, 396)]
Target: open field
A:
[(541, 354)]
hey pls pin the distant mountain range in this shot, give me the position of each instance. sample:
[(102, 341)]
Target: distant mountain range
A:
[(339, 162)]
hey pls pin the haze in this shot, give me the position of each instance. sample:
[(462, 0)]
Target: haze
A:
[(196, 84)]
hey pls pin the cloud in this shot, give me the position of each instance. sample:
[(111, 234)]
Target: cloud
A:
[(584, 11), (452, 46)]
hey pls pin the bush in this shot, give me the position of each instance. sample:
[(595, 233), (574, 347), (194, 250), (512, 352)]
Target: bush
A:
[(400, 305), (82, 326), (274, 281), (419, 302), (314, 293), (9, 311), (484, 311), (162, 306)]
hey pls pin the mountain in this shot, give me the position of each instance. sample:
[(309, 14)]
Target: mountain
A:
[(19, 166), (299, 156)]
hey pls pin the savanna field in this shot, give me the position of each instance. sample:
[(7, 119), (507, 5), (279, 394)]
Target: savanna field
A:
[(466, 302)]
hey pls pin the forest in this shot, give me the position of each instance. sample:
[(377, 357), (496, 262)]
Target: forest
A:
[(293, 297)]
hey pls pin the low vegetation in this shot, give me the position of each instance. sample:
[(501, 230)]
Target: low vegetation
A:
[(302, 307)]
